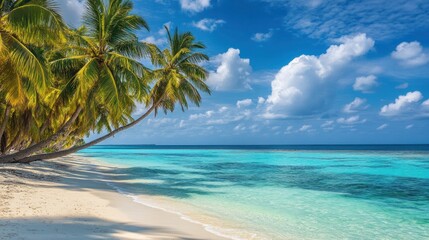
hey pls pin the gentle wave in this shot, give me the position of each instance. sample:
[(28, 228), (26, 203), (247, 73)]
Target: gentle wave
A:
[(209, 228)]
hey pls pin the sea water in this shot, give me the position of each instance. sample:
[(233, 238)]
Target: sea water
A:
[(281, 192)]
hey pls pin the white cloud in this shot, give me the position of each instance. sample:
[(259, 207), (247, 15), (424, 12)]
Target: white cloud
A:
[(380, 19), (402, 86), (275, 128), (351, 120), (154, 40), (262, 37), (72, 11), (261, 100), (327, 123), (239, 127), (355, 105), (244, 103), (254, 128), (307, 84), (194, 6), (159, 37), (182, 123), (409, 126), (410, 54), (158, 122), (223, 109), (232, 72), (223, 120), (305, 128), (207, 114), (425, 103), (402, 105), (365, 84), (289, 130), (208, 24), (220, 115), (383, 126)]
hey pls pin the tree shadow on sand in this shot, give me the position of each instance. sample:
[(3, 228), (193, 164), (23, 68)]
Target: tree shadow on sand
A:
[(77, 229)]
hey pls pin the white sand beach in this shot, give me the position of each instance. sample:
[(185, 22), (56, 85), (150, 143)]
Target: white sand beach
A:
[(68, 199)]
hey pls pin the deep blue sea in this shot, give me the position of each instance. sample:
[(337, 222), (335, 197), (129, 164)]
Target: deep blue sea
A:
[(281, 192)]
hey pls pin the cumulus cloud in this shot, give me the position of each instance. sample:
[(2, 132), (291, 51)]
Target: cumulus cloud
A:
[(232, 73), (365, 84), (194, 6), (244, 103), (72, 11), (351, 120), (355, 105), (262, 37), (307, 84), (208, 24), (410, 54), (383, 126), (403, 104)]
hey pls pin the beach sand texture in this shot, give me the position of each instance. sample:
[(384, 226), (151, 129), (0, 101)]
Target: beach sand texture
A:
[(68, 198)]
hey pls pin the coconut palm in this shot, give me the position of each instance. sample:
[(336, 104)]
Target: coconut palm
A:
[(25, 26), (99, 63), (176, 81)]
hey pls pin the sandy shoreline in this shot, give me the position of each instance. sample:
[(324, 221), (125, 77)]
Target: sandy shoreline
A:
[(68, 199)]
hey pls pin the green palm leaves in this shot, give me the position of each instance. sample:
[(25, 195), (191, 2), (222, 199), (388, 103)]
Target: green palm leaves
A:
[(178, 78), (34, 21), (24, 27), (59, 84)]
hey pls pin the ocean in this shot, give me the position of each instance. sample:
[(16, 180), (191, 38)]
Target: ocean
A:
[(281, 192)]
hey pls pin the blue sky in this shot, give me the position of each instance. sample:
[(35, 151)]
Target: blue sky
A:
[(295, 72)]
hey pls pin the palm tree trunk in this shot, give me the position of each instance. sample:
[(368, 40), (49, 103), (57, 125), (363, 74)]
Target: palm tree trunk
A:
[(92, 143), (43, 144), (5, 118), (14, 142)]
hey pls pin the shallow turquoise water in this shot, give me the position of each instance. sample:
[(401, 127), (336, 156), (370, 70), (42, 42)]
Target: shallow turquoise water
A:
[(277, 194)]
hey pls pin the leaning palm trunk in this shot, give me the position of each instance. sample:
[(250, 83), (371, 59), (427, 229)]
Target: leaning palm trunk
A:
[(14, 142), (5, 118), (43, 144), (92, 143)]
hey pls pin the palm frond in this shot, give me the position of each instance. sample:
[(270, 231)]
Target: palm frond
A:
[(30, 63), (36, 22)]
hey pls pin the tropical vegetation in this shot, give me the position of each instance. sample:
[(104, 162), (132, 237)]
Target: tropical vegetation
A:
[(59, 84)]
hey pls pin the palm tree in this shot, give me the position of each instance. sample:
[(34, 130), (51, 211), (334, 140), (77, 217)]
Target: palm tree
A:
[(177, 80), (99, 62), (25, 26)]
